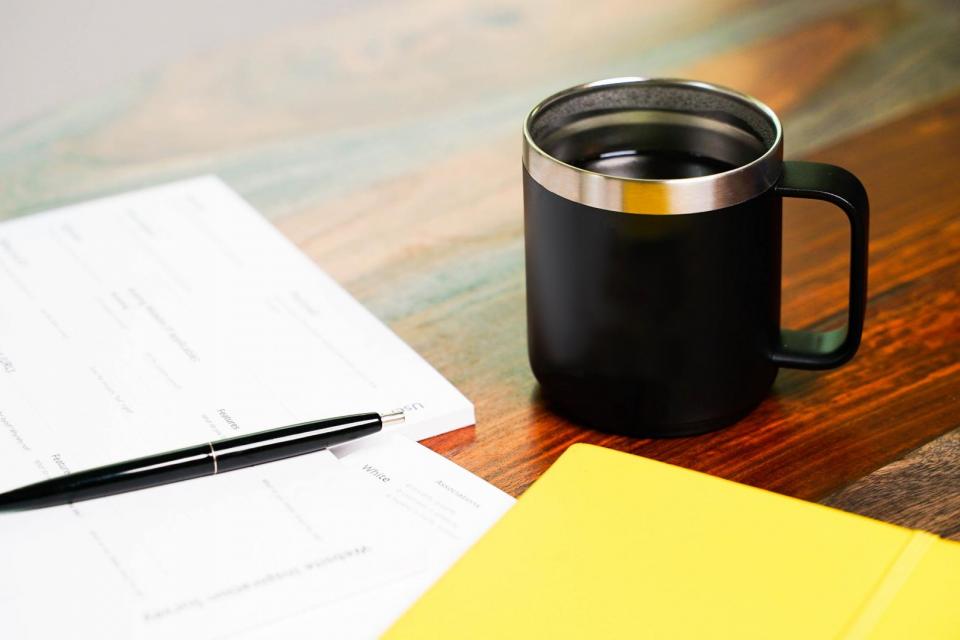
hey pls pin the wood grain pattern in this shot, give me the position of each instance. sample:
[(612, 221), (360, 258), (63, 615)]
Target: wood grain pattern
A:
[(385, 143), (386, 91), (921, 490)]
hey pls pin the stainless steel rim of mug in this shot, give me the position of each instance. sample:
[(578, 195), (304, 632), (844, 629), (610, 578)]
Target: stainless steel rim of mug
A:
[(645, 196)]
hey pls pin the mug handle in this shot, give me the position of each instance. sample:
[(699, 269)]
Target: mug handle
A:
[(829, 349)]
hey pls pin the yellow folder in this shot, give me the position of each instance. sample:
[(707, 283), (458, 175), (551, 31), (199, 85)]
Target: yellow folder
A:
[(610, 545)]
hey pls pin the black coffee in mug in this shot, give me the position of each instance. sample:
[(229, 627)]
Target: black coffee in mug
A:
[(652, 165), (653, 250)]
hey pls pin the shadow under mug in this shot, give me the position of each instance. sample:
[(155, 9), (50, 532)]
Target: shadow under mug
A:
[(652, 223)]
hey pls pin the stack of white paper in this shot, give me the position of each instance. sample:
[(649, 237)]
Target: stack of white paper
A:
[(174, 316)]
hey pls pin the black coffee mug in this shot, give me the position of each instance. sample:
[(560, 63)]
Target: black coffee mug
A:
[(653, 249)]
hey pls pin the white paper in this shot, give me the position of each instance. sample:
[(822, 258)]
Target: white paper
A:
[(177, 315), (311, 547)]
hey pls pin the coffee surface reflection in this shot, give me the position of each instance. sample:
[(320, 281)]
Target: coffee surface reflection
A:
[(653, 165)]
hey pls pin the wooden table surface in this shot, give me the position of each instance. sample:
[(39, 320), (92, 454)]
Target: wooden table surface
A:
[(386, 143)]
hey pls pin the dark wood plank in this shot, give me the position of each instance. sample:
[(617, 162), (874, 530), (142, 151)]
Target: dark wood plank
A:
[(921, 491)]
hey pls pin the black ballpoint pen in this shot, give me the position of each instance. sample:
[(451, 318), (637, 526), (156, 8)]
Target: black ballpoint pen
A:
[(206, 459)]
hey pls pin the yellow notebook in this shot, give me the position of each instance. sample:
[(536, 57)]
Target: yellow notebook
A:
[(611, 545)]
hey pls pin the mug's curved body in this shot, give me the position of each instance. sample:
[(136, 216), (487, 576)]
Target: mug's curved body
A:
[(653, 304), (653, 324)]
